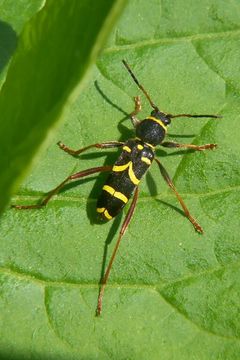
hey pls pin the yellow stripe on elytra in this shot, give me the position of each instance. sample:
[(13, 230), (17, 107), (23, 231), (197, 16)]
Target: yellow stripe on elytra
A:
[(131, 174), (126, 148), (116, 194), (120, 196), (150, 145), (107, 215), (120, 167), (157, 121), (140, 147), (146, 160), (109, 189)]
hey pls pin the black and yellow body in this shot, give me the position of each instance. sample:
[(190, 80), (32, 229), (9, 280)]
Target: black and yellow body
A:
[(135, 159), (132, 164)]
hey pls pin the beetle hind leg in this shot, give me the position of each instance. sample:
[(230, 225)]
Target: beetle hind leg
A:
[(124, 227), (53, 192)]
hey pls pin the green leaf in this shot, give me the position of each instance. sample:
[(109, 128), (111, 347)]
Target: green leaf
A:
[(172, 293), (13, 16), (55, 52)]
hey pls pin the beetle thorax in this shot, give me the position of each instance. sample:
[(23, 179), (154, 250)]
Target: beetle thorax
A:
[(149, 131)]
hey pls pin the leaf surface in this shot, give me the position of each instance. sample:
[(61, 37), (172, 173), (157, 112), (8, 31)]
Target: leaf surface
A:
[(172, 293), (50, 66)]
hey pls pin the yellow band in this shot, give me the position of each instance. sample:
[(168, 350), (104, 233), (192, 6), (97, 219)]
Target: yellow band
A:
[(146, 160), (120, 196), (132, 175), (109, 189), (157, 121), (116, 194), (126, 148), (150, 145), (107, 215), (120, 167)]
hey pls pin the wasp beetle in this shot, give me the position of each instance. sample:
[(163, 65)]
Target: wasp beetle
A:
[(137, 155)]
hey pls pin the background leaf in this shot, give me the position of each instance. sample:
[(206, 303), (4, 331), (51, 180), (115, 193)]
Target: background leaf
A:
[(54, 54), (173, 294), (13, 16)]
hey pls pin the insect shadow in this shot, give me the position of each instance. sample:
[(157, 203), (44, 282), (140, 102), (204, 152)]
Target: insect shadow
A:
[(110, 158), (8, 43), (175, 208), (100, 179), (138, 151), (187, 136)]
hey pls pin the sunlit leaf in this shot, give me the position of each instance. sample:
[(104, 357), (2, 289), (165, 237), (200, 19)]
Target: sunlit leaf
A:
[(172, 293)]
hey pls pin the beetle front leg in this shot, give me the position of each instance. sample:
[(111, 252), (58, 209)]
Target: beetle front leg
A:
[(171, 144), (105, 145), (138, 108)]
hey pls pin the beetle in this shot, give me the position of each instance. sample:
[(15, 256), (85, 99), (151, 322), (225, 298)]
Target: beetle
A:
[(135, 159)]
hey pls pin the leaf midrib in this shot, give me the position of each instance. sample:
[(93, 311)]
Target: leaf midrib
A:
[(161, 41), (153, 287), (76, 198)]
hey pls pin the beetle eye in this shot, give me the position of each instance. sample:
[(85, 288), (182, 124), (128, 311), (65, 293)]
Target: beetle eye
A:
[(167, 121)]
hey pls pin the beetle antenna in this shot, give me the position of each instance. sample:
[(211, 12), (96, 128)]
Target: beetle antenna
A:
[(139, 85)]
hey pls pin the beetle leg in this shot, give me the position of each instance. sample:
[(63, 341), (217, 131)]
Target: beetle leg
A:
[(124, 227), (78, 175), (138, 108), (171, 185), (105, 145), (171, 144), (194, 116)]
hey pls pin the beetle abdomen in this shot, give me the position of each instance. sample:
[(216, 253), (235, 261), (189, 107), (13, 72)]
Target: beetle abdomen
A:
[(132, 164)]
